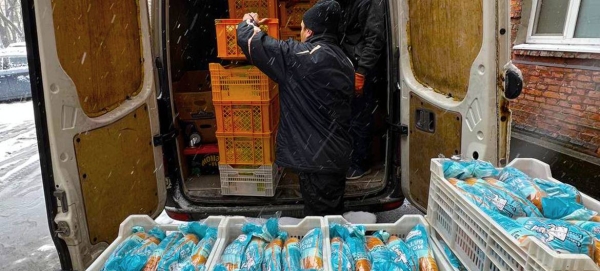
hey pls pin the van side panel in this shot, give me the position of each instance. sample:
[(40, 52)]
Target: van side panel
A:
[(116, 162), (445, 37), (99, 47), (440, 134)]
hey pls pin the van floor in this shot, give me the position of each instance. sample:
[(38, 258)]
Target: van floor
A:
[(288, 187)]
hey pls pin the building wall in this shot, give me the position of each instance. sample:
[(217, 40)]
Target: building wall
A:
[(561, 96)]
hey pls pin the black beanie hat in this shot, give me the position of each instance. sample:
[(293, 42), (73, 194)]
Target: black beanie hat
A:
[(323, 17)]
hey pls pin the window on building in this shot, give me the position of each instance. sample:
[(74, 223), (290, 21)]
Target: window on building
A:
[(564, 22)]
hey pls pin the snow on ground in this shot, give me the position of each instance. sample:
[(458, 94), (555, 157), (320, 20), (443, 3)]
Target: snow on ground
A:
[(163, 218), (16, 112), (25, 242), (360, 217)]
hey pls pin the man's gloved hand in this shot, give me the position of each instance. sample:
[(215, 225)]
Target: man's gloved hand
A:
[(359, 83), (253, 20)]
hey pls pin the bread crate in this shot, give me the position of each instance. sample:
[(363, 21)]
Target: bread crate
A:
[(232, 228), (291, 15), (194, 105), (264, 8), (480, 243), (247, 117), (251, 149), (400, 228), (227, 46), (241, 84), (258, 181), (149, 223)]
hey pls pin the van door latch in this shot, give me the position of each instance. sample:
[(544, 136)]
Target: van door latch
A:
[(62, 196), (161, 139), (398, 127), (63, 228)]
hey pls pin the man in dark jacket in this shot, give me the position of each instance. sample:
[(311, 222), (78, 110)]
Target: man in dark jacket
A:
[(316, 85), (362, 36)]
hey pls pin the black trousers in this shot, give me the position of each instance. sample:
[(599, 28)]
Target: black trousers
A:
[(361, 124), (323, 194)]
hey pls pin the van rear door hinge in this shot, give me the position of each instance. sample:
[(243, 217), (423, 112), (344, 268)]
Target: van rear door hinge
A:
[(160, 139), (398, 127)]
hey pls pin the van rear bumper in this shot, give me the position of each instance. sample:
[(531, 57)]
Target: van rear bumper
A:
[(380, 203)]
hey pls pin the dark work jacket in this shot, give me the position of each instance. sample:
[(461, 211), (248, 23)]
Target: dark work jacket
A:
[(316, 85), (362, 32)]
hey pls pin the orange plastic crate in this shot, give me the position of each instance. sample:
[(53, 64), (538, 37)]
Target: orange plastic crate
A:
[(241, 84), (292, 16), (264, 8), (227, 47), (247, 117), (257, 149)]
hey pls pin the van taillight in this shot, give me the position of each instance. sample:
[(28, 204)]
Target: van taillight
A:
[(392, 205), (179, 216)]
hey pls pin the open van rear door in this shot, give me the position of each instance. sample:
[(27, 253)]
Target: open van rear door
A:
[(452, 59), (96, 115)]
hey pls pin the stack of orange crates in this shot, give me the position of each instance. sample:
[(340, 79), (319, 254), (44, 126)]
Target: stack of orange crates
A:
[(291, 18), (246, 107)]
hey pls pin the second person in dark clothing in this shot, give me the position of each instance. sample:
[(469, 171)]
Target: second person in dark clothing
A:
[(316, 85), (362, 36)]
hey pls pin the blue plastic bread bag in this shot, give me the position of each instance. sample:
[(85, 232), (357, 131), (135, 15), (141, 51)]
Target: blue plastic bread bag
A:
[(358, 247), (498, 199), (381, 254), (261, 235), (590, 226), (403, 253), (565, 209), (475, 197), (382, 257), (561, 235), (253, 256), (291, 255), (527, 206), (272, 260), (559, 190), (137, 258), (522, 184), (232, 255), (479, 169), (594, 229), (341, 258), (197, 261), (454, 261), (514, 229), (193, 232), (137, 237), (418, 241), (511, 172), (267, 231), (453, 169), (468, 169), (311, 248), (162, 248)]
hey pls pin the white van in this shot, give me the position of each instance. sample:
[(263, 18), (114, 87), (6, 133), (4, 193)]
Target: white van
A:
[(111, 143)]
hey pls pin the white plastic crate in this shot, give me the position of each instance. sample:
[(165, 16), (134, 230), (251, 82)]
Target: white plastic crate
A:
[(257, 182), (232, 228), (480, 243), (149, 223), (400, 228)]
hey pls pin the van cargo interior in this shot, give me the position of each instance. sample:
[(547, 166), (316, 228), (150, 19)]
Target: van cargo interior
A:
[(192, 46)]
